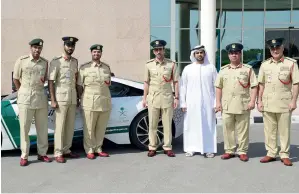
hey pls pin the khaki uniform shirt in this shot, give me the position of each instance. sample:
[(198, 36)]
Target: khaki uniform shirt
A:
[(64, 72), (160, 76), (95, 79), (31, 74), (278, 78), (235, 84)]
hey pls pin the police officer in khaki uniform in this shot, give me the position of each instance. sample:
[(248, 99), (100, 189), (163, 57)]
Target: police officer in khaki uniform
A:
[(63, 71), (235, 100), (160, 73), (278, 75), (94, 81), (30, 74)]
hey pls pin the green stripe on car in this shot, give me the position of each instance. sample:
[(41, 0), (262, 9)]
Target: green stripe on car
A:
[(11, 121)]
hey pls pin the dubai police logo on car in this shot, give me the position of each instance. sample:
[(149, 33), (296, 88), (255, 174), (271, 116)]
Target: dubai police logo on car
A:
[(123, 114)]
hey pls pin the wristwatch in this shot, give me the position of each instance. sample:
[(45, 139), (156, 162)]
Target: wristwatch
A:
[(176, 98)]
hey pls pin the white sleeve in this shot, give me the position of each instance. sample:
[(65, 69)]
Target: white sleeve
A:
[(183, 89), (213, 82)]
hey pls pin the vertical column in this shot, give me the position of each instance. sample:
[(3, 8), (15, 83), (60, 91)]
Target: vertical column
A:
[(184, 36), (172, 30), (208, 27)]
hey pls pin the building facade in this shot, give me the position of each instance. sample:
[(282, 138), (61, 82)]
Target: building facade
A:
[(118, 25), (187, 23), (126, 27)]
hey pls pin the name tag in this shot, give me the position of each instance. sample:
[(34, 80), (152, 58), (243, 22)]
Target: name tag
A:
[(243, 73), (68, 74), (284, 68)]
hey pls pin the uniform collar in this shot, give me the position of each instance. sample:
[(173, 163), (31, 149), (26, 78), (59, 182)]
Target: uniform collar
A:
[(157, 62), (280, 60), (31, 58), (66, 58), (237, 67), (95, 64)]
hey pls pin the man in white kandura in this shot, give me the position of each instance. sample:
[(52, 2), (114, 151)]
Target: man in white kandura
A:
[(197, 95)]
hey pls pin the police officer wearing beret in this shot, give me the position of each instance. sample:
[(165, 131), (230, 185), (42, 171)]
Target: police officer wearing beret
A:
[(278, 76), (93, 83), (30, 74), (235, 100), (63, 71), (160, 74)]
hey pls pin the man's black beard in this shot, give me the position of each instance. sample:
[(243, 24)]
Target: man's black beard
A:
[(201, 61), (66, 52)]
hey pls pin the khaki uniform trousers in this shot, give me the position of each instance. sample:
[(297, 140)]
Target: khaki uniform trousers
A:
[(95, 124), (236, 123), (41, 123), (153, 116), (64, 129), (277, 123)]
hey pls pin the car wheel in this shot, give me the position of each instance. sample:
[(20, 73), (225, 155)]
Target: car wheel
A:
[(139, 131)]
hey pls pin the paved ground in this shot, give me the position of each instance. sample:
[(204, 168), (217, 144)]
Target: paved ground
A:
[(128, 170)]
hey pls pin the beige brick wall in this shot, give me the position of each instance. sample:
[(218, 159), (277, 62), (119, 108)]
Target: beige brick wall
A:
[(121, 26)]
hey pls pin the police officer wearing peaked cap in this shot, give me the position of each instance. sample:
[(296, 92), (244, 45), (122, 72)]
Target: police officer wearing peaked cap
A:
[(158, 44), (93, 84), (29, 76), (272, 43), (234, 100), (234, 47), (278, 93), (68, 40), (160, 74), (63, 71)]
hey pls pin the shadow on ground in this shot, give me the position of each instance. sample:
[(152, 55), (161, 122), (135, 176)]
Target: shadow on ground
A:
[(256, 150)]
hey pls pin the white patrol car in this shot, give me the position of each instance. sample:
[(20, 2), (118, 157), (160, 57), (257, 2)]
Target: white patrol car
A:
[(128, 122)]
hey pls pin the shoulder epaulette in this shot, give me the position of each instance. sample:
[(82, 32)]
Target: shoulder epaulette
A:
[(42, 58), (24, 57), (58, 57), (84, 64), (266, 60), (169, 60), (150, 61), (105, 64), (246, 65), (225, 66), (293, 60)]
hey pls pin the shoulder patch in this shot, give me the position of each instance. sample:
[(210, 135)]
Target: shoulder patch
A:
[(24, 57), (105, 64), (225, 66), (248, 66), (44, 59), (85, 64), (150, 61), (58, 57), (266, 60), (291, 59), (75, 58), (169, 60)]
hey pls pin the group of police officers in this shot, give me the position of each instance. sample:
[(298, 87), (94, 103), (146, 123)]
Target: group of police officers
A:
[(67, 85), (237, 91)]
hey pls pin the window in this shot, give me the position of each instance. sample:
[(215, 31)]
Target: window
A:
[(118, 90), (121, 90)]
